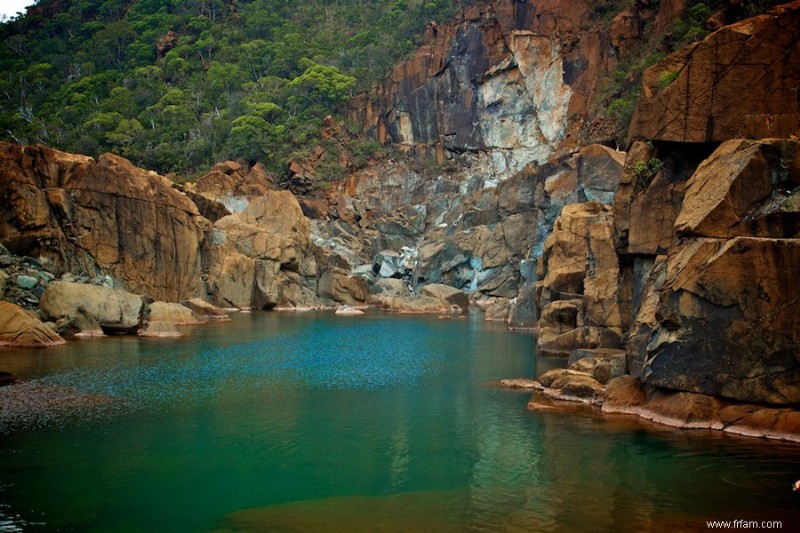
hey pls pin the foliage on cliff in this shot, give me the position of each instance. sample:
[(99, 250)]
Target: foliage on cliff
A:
[(691, 21), (175, 85)]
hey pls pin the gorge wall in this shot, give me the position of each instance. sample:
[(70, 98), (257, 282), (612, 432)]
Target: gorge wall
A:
[(680, 255)]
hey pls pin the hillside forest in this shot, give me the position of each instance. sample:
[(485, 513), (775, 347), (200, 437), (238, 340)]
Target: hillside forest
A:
[(177, 85)]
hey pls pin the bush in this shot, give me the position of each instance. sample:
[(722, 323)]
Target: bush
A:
[(646, 171), (666, 78)]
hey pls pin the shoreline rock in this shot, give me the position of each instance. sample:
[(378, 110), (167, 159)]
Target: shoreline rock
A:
[(20, 330), (627, 396)]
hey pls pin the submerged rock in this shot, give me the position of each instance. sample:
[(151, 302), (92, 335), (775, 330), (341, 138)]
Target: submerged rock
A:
[(348, 311)]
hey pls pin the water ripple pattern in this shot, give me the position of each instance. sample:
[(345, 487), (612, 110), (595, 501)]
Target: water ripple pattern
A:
[(354, 357)]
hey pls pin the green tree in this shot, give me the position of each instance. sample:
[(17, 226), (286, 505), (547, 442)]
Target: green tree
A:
[(323, 84)]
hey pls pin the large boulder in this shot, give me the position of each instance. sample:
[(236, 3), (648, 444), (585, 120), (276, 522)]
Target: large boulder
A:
[(90, 307), (173, 312), (337, 285), (448, 294), (20, 330), (739, 82), (205, 310), (744, 188), (264, 256), (231, 178)]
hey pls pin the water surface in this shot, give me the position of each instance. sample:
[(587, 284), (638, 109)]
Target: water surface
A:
[(312, 422)]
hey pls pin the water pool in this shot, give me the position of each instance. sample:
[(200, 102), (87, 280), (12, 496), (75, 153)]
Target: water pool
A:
[(313, 422)]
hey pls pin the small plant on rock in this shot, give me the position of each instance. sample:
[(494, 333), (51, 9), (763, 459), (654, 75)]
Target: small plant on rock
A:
[(646, 171)]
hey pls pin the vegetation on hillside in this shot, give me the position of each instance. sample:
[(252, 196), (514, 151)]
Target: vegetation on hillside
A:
[(175, 85)]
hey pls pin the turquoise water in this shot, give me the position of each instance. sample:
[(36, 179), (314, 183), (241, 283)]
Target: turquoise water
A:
[(312, 422)]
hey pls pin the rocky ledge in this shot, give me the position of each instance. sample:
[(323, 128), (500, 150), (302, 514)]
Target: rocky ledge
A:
[(561, 389)]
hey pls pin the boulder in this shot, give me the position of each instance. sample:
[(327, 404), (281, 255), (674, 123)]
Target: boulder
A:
[(160, 329), (205, 310), (19, 330), (114, 311), (704, 92), (231, 281), (447, 294), (174, 313), (623, 395), (348, 311), (337, 285), (565, 384), (739, 191), (577, 289), (391, 287), (231, 178), (413, 304), (602, 364)]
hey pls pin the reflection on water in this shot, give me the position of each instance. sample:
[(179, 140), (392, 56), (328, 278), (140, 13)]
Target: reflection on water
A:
[(280, 422)]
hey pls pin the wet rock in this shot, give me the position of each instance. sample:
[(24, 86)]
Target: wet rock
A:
[(160, 329), (27, 282), (729, 321), (6, 378), (520, 383), (623, 395), (570, 384), (19, 330)]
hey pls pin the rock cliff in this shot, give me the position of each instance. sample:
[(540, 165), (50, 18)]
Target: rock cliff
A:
[(675, 263), (516, 80)]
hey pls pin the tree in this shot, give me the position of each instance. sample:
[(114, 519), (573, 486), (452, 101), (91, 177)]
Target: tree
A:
[(323, 84)]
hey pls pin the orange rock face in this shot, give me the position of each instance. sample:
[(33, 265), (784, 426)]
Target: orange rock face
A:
[(105, 215), (740, 82), (718, 313)]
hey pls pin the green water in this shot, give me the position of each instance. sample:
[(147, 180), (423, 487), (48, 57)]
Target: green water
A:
[(312, 422)]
